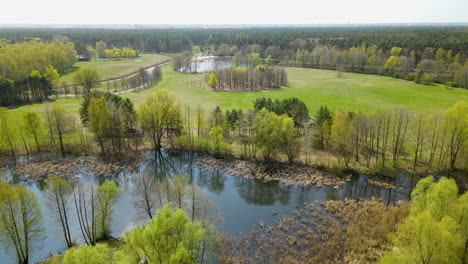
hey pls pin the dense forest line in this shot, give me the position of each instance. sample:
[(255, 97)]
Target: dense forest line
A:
[(29, 69), (177, 40), (157, 41)]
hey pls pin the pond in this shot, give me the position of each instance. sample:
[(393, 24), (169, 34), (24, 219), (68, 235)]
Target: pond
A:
[(243, 202), (210, 64)]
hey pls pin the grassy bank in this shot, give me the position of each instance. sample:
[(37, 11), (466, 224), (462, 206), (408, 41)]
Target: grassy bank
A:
[(109, 69)]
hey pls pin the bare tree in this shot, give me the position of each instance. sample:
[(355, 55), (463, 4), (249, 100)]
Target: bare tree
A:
[(58, 123), (58, 194), (144, 195), (85, 198)]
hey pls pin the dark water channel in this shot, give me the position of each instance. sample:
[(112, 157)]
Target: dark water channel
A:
[(242, 202)]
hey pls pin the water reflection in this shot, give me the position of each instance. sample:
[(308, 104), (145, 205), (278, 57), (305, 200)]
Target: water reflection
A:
[(262, 193), (243, 202), (208, 65)]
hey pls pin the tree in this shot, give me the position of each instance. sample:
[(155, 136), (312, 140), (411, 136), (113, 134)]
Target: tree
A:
[(421, 239), (101, 47), (272, 131), (58, 194), (322, 124), (98, 254), (342, 136), (217, 138), (51, 74), (86, 77), (213, 81), (85, 198), (20, 220), (160, 115), (32, 124), (58, 123), (168, 238), (144, 195), (107, 194), (457, 132), (436, 231), (7, 130), (100, 121)]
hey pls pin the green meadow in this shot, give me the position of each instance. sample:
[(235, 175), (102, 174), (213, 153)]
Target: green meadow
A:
[(109, 69), (351, 92)]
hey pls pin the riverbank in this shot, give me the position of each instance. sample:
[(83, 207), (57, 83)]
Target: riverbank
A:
[(70, 166), (287, 173)]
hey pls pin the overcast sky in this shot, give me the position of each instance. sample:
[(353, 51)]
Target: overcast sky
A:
[(232, 12)]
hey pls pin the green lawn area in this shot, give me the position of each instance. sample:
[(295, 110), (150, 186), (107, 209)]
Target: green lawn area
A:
[(109, 69), (352, 92)]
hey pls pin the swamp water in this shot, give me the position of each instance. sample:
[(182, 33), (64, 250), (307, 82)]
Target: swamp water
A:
[(242, 202)]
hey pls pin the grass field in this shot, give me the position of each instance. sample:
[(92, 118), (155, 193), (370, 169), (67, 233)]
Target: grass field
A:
[(352, 92), (108, 69)]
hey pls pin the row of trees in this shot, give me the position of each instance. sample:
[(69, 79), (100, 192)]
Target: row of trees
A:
[(247, 79), (182, 61), (423, 66), (89, 79), (100, 50), (395, 138)]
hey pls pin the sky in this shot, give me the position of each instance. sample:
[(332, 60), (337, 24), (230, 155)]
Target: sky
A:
[(232, 12)]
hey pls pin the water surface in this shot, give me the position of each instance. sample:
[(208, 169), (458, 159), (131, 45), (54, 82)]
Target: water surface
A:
[(243, 202)]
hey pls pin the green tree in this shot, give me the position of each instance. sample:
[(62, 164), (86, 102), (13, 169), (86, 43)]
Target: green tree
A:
[(51, 74), (160, 115), (217, 138), (168, 238), (100, 121), (342, 136), (213, 81), (108, 192), (272, 131), (436, 231), (457, 130), (20, 220), (322, 126), (32, 125), (7, 130), (86, 77), (98, 254)]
